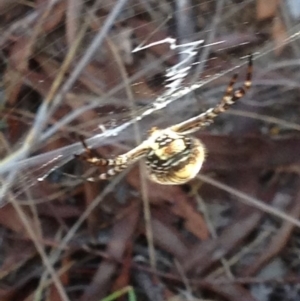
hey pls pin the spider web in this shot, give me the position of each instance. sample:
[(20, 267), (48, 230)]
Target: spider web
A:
[(192, 53)]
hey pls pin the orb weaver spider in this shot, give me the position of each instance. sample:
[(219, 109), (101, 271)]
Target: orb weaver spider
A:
[(172, 156)]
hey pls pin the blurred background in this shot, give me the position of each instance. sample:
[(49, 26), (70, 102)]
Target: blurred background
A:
[(104, 71)]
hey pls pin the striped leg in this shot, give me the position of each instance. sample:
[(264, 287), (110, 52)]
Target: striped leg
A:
[(230, 97), (117, 164), (91, 156), (116, 169)]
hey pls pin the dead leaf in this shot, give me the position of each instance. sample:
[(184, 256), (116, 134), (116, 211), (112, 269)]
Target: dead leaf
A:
[(266, 9)]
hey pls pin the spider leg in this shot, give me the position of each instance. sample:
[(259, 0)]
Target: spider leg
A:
[(230, 97), (240, 92), (120, 163), (91, 156), (109, 174)]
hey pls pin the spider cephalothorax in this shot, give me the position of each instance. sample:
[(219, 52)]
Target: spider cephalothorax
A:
[(171, 156)]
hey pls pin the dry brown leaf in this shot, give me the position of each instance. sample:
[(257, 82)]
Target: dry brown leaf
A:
[(180, 203), (266, 9), (15, 259), (10, 219)]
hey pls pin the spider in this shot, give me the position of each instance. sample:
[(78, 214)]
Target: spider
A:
[(172, 156)]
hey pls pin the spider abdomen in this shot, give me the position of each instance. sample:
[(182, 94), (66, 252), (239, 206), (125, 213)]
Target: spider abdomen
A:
[(174, 159)]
